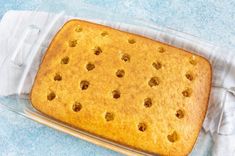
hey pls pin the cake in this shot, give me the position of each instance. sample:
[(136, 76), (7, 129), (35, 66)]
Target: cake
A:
[(123, 87)]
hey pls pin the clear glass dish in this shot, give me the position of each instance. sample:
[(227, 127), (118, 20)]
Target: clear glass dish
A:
[(19, 102)]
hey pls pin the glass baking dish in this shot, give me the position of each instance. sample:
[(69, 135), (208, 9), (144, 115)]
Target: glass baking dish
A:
[(19, 101)]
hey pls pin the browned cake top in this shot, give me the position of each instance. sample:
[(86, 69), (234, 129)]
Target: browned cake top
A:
[(124, 87)]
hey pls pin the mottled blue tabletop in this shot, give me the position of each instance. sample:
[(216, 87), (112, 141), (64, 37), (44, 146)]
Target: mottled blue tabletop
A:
[(210, 20)]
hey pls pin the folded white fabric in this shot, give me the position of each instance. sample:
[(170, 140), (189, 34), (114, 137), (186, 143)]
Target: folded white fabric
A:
[(25, 35)]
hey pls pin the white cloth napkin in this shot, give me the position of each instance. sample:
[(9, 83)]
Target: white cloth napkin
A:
[(25, 35)]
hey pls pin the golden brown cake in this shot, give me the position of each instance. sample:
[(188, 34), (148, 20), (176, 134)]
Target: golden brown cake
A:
[(123, 87)]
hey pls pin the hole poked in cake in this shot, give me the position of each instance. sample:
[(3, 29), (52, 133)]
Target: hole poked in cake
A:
[(147, 102), (51, 96), (157, 65), (131, 41), (104, 33), (154, 81), (78, 28), (97, 50), (65, 60), (76, 107), (57, 77), (173, 137), (189, 76), (90, 66), (72, 43), (161, 50), (116, 94), (109, 116), (126, 57), (120, 73), (142, 127), (84, 84), (187, 92), (179, 114)]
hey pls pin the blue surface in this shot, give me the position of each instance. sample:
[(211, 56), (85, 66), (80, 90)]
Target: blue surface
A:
[(210, 20)]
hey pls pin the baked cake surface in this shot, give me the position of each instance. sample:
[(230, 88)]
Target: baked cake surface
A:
[(124, 87)]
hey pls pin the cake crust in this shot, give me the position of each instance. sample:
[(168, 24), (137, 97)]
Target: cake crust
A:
[(124, 87)]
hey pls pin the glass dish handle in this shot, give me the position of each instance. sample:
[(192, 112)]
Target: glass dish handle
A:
[(20, 55)]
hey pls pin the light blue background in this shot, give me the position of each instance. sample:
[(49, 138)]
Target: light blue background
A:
[(213, 21)]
